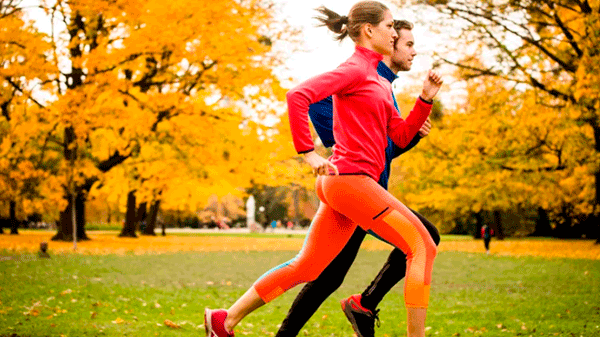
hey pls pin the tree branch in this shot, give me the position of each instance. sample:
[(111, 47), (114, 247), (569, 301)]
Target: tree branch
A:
[(540, 169), (567, 33), (552, 92), (16, 86), (536, 43)]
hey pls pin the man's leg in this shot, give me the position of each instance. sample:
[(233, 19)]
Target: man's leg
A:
[(393, 270), (314, 293)]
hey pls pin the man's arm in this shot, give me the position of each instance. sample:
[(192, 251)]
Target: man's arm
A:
[(321, 116), (397, 151)]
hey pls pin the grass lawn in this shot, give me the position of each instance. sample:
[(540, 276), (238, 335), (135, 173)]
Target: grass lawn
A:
[(134, 295)]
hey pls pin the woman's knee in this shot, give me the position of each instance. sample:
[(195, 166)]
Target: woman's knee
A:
[(306, 271), (431, 249)]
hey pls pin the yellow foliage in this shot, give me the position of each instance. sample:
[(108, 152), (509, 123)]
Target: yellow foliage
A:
[(171, 87)]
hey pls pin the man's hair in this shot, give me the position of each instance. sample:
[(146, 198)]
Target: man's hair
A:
[(402, 24), (398, 26)]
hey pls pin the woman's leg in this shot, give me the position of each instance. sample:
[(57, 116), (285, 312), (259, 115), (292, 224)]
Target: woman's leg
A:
[(315, 292), (328, 234), (393, 270), (362, 200)]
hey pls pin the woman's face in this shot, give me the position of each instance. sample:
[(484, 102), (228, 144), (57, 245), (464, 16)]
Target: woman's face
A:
[(384, 35)]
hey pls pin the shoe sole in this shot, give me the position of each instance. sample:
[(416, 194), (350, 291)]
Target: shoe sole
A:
[(347, 309), (207, 320)]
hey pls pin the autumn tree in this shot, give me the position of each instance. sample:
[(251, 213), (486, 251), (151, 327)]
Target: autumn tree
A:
[(153, 77), (26, 182), (501, 153)]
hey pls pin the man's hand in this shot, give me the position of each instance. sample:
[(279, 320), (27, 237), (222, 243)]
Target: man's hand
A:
[(432, 85), (425, 128), (320, 165)]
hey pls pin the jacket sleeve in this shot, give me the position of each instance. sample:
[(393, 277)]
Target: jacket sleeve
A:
[(401, 131), (398, 151), (314, 90)]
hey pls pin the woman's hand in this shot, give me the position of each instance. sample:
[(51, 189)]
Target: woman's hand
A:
[(320, 165)]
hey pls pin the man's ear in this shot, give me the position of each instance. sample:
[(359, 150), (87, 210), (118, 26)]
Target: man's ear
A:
[(368, 29)]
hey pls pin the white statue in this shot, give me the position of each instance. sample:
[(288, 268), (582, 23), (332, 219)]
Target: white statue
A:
[(250, 212)]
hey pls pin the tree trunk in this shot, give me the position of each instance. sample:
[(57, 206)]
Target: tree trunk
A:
[(130, 217), (564, 228), (542, 224), (80, 216), (14, 223), (151, 219), (497, 226), (65, 224), (478, 224), (108, 216), (141, 215)]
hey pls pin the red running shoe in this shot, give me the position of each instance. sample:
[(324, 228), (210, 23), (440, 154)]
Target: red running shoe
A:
[(361, 318), (214, 323)]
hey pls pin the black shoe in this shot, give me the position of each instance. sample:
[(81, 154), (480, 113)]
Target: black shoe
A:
[(361, 318)]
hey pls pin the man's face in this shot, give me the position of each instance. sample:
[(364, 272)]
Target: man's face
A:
[(405, 51)]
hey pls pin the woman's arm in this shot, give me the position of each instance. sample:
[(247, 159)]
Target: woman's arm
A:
[(313, 90), (402, 132)]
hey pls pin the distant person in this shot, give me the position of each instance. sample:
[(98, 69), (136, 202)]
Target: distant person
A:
[(222, 224), (486, 234), (273, 225), (290, 225)]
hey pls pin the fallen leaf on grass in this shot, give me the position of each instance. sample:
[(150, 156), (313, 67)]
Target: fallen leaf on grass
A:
[(119, 320), (64, 292), (170, 324), (32, 312)]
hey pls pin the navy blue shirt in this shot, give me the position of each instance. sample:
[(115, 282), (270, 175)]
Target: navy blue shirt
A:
[(321, 115)]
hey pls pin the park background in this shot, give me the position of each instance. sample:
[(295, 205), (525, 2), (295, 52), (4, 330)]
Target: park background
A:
[(122, 117)]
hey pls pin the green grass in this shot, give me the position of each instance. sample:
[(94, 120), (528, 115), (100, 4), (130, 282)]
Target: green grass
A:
[(472, 294)]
